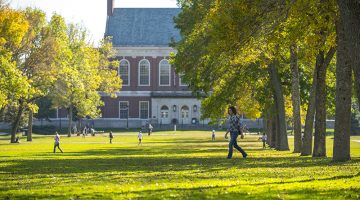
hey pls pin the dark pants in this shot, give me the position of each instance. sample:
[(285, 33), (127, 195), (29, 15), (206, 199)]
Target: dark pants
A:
[(233, 143), (58, 146)]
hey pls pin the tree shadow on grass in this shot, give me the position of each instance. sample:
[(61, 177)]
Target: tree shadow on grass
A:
[(205, 192), (154, 160)]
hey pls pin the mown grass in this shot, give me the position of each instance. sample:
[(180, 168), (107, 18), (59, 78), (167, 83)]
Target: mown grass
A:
[(185, 165)]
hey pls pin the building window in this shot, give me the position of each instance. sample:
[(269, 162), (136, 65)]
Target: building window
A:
[(144, 109), (164, 112), (124, 72), (181, 80), (164, 73), (144, 73), (124, 109), (184, 112)]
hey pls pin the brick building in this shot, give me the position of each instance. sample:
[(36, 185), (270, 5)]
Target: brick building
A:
[(151, 88)]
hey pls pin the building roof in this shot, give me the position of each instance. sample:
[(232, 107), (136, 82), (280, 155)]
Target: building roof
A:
[(142, 26)]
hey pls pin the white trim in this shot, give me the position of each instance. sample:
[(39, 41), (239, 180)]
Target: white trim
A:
[(139, 72), (127, 109), (59, 119), (148, 103), (160, 72), (144, 51), (143, 93), (128, 70), (168, 112)]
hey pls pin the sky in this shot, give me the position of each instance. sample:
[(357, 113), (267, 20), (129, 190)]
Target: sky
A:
[(90, 13)]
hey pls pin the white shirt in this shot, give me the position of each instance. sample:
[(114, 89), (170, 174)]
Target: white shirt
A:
[(140, 135), (57, 138), (264, 138)]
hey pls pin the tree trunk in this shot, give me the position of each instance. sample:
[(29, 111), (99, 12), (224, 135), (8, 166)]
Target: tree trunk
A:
[(320, 109), (16, 122), (2, 111), (306, 148), (70, 119), (30, 123), (341, 150), (295, 97), (273, 132), (320, 102), (281, 140), (350, 13), (268, 129)]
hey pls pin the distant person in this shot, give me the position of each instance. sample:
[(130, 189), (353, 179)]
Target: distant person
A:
[(57, 142), (111, 137), (150, 128), (302, 137), (92, 132), (17, 139), (264, 139), (84, 132), (75, 129), (234, 129), (140, 136), (213, 135)]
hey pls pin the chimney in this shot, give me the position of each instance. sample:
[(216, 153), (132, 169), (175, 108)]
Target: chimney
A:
[(110, 7)]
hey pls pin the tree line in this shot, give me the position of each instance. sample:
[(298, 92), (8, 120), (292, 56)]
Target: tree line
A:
[(275, 58), (52, 59)]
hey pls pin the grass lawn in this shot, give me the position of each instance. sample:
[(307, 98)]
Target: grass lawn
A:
[(185, 165)]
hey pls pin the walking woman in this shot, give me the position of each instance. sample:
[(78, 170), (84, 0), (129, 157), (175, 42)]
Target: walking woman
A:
[(57, 142), (235, 130)]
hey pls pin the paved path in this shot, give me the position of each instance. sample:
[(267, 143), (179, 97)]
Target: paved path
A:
[(356, 140), (2, 133)]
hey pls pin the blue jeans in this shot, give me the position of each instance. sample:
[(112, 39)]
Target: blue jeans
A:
[(233, 143)]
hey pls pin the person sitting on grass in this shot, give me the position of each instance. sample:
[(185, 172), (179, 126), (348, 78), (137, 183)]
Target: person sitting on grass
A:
[(17, 139), (57, 142), (140, 136)]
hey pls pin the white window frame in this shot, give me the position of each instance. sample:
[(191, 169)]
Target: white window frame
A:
[(161, 111), (139, 72), (128, 71), (180, 80), (127, 102), (160, 73), (148, 103), (188, 112)]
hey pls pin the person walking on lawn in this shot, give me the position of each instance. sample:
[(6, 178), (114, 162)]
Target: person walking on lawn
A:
[(235, 130), (57, 142)]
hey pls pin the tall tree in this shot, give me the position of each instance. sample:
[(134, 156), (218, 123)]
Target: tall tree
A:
[(281, 139), (13, 86), (13, 27), (81, 77), (306, 148), (347, 58), (295, 95), (35, 57)]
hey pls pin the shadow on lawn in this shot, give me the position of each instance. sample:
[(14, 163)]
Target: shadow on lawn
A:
[(217, 192), (148, 159)]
